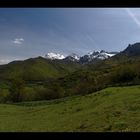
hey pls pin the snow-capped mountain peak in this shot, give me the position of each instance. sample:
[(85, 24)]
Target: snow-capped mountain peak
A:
[(104, 55), (54, 56), (72, 57), (95, 55), (75, 56)]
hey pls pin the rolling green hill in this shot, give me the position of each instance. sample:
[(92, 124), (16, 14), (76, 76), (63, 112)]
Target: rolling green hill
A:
[(36, 69), (112, 109)]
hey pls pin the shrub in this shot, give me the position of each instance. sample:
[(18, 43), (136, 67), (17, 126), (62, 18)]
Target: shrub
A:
[(16, 89), (4, 94)]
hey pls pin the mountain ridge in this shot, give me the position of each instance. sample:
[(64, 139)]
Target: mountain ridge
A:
[(95, 55), (40, 68)]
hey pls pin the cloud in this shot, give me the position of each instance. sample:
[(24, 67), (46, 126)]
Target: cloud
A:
[(18, 41), (133, 16)]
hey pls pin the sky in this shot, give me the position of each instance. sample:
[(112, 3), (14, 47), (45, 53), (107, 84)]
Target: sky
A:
[(33, 32)]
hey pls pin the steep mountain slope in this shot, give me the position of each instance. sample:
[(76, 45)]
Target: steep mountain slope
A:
[(132, 52)]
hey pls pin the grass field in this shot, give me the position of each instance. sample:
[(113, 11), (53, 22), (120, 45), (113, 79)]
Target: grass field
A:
[(112, 109)]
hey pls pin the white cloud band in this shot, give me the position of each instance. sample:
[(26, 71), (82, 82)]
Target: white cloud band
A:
[(18, 40)]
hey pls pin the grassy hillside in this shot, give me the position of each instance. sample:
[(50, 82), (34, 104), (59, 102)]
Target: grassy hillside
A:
[(112, 109), (36, 69)]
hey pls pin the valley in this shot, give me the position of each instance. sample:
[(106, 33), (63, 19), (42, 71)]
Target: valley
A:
[(40, 94)]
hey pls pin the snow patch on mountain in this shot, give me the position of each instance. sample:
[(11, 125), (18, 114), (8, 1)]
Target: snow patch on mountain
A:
[(100, 55), (54, 56), (75, 56), (95, 55)]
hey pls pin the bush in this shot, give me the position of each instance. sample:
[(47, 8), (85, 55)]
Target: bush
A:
[(4, 94), (123, 75), (57, 92), (16, 90), (29, 94)]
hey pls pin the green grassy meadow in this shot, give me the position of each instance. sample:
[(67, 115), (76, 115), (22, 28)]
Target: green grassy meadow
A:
[(111, 109)]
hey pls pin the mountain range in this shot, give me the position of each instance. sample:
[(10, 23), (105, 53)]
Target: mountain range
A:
[(57, 65), (95, 55), (55, 76)]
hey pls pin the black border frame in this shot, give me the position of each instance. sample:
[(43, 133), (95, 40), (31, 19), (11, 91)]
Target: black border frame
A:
[(68, 4)]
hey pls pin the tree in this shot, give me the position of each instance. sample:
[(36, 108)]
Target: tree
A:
[(57, 92), (124, 74), (16, 90)]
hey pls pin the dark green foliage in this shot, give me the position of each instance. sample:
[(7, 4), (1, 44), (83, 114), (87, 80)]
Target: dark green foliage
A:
[(123, 74), (53, 92), (16, 90), (4, 95)]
